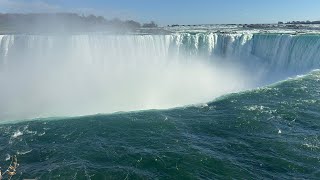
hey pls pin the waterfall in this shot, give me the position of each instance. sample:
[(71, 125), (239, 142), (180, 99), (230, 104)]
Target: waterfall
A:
[(57, 75)]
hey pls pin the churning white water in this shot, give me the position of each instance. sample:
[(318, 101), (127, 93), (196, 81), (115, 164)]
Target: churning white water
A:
[(70, 75)]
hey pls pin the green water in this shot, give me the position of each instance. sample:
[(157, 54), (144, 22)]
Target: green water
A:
[(267, 133)]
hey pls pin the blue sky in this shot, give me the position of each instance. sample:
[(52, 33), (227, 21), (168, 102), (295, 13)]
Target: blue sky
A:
[(178, 11)]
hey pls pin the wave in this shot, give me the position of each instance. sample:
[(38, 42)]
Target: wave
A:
[(71, 75)]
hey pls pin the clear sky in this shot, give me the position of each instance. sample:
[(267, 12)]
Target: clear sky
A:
[(178, 11)]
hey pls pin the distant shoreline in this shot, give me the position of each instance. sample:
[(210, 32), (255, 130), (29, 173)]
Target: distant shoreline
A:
[(71, 23)]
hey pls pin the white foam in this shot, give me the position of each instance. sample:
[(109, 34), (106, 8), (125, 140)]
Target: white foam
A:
[(17, 134), (45, 76)]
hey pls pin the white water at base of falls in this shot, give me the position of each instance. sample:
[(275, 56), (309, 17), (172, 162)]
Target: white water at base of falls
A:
[(44, 76)]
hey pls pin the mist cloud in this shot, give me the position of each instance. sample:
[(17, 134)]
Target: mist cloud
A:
[(45, 76)]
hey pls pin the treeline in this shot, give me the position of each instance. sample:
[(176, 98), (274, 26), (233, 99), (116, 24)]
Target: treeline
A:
[(300, 22), (66, 22)]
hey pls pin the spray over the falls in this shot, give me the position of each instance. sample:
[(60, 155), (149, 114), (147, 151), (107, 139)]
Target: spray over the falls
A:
[(70, 75)]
